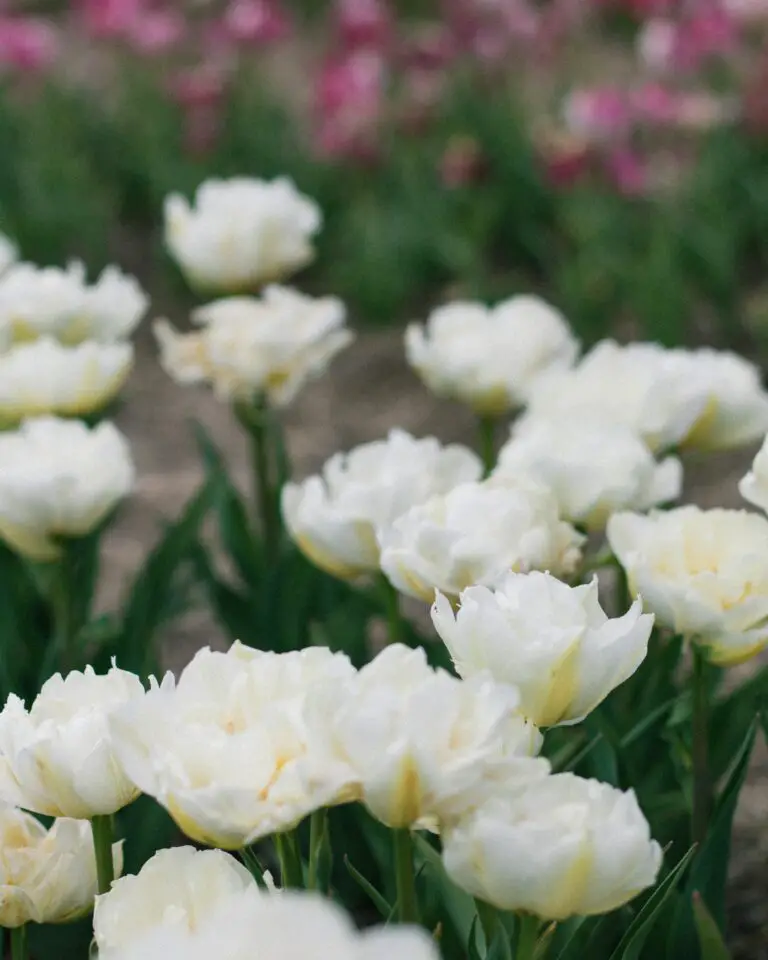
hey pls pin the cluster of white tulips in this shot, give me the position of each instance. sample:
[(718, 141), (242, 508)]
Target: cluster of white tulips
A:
[(254, 751)]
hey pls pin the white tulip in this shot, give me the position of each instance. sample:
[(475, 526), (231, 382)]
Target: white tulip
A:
[(754, 485), (227, 750), (46, 875), (736, 411), (475, 534), (246, 346), (334, 517), (9, 253), (636, 386), (49, 301), (59, 479), (593, 468), (58, 758), (241, 233), (552, 641), (564, 847), (200, 904), (45, 377), (426, 746), (489, 357), (702, 572)]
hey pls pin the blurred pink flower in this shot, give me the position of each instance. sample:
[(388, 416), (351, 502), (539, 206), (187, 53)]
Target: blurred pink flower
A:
[(656, 43), (628, 172), (156, 31), (490, 28), (597, 113), (566, 160), (109, 18), (363, 23), (654, 103), (747, 11), (28, 43), (708, 34), (703, 110), (429, 46), (201, 86), (462, 162), (349, 104), (256, 21)]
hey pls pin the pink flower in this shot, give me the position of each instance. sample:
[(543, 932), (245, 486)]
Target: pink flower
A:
[(27, 43), (566, 160), (363, 23), (709, 34), (655, 103), (156, 31), (656, 44), (628, 172), (349, 103), (110, 18), (490, 28), (599, 113), (256, 21), (747, 11), (202, 86)]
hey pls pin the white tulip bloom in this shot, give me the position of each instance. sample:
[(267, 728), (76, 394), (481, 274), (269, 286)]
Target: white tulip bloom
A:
[(736, 411), (593, 468), (50, 301), (475, 534), (334, 517), (227, 749), (754, 485), (9, 253), (200, 904), (489, 357), (636, 386), (271, 345), (46, 875), (59, 479), (57, 758), (553, 642), (45, 377), (702, 572), (564, 847), (426, 746), (241, 233)]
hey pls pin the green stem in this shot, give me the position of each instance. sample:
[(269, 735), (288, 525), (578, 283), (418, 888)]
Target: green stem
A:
[(19, 943), (486, 431), (623, 595), (291, 872), (255, 418), (101, 827), (527, 936), (407, 904), (395, 624), (317, 827), (702, 782), (489, 921)]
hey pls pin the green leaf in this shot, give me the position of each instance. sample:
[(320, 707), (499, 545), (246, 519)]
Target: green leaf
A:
[(710, 939), (500, 948), (632, 942), (459, 906), (152, 593), (378, 900), (731, 718), (710, 868), (253, 865)]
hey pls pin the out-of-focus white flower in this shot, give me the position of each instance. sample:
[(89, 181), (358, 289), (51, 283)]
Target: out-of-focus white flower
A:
[(475, 534), (227, 750), (754, 485), (593, 468), (241, 233), (736, 408), (698, 398), (334, 517), (45, 377), (552, 641), (9, 252), (199, 904), (49, 301), (46, 876), (57, 758), (426, 746), (702, 572), (58, 478), (563, 847), (488, 358), (246, 346)]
